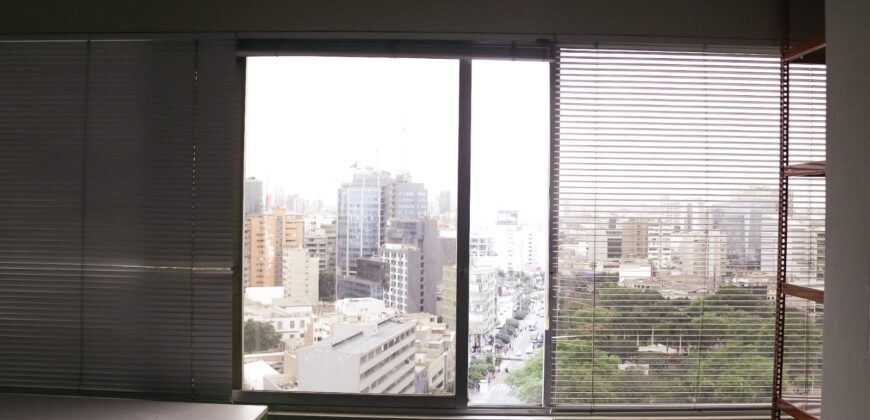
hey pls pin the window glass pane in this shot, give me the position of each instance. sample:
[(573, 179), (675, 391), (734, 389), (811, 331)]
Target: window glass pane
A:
[(349, 227), (508, 241)]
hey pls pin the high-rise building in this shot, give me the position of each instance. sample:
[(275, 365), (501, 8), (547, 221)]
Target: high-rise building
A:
[(375, 358), (444, 202), (364, 205), (296, 204), (292, 229), (300, 276), (320, 243), (265, 238), (261, 244), (481, 244), (413, 252), (370, 281), (659, 243), (515, 246), (448, 296), (687, 225), (410, 199), (635, 239), (253, 196), (482, 305), (405, 292), (614, 243), (703, 254), (279, 198)]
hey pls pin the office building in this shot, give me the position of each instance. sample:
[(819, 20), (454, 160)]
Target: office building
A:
[(321, 243), (444, 203), (635, 239), (301, 275), (264, 240), (412, 251), (376, 358), (482, 306), (703, 253), (410, 199), (370, 281), (364, 206), (448, 296), (254, 200)]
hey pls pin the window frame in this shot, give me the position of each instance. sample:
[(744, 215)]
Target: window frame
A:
[(305, 403), (462, 51)]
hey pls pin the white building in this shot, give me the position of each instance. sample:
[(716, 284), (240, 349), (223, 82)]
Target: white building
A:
[(767, 243), (347, 311), (482, 300), (317, 221), (264, 295), (518, 247), (301, 276), (659, 243), (436, 353), (481, 244), (703, 253), (405, 289), (633, 271), (290, 322), (377, 358), (257, 375)]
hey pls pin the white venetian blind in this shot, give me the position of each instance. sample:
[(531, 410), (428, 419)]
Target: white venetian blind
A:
[(667, 164)]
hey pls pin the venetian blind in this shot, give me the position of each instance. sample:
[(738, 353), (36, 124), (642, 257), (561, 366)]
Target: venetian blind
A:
[(117, 215), (665, 176)]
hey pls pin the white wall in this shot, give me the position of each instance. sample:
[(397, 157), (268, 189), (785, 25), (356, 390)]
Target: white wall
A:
[(846, 383)]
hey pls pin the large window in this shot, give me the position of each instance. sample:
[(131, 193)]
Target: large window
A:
[(349, 225), (601, 233)]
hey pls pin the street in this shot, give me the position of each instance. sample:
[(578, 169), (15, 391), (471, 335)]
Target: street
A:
[(495, 391)]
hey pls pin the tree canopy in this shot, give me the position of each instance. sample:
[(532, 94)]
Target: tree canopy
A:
[(719, 349), (260, 336)]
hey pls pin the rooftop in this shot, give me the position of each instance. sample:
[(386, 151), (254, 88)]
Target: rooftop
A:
[(357, 342)]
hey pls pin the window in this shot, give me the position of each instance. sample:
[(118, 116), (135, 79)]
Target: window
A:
[(621, 227), (667, 205), (509, 178), (356, 151)]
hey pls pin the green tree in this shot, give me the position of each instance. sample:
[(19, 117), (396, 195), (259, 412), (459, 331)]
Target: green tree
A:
[(260, 336), (479, 368), (527, 381), (722, 341)]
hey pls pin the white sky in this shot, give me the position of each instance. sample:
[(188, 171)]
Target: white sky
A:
[(308, 119)]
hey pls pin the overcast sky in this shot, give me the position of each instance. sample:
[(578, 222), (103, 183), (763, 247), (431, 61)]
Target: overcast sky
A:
[(309, 119)]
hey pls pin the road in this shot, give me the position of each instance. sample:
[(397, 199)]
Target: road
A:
[(496, 391)]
